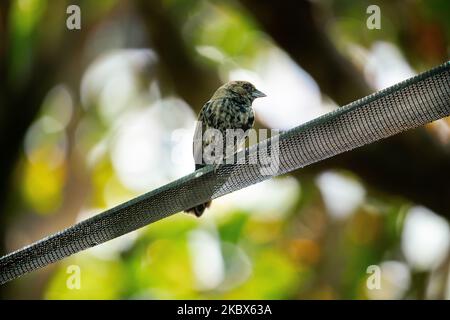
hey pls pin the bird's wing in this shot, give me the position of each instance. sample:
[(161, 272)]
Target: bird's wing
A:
[(201, 126)]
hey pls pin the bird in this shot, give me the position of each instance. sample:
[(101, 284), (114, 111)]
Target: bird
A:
[(230, 107)]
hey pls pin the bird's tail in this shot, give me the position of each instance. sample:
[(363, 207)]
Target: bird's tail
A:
[(198, 210)]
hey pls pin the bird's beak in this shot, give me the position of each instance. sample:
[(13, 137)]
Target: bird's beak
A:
[(258, 94)]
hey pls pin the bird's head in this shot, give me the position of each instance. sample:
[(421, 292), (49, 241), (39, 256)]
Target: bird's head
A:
[(242, 89)]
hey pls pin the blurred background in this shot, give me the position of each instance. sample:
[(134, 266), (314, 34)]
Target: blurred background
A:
[(91, 118)]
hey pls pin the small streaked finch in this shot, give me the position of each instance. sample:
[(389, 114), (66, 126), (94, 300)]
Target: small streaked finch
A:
[(229, 108)]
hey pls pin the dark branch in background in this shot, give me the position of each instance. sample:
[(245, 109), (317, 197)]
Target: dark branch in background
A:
[(409, 165), (21, 102), (293, 26), (19, 106), (193, 81), (4, 9)]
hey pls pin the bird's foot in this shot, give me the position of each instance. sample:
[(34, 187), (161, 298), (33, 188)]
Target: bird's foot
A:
[(216, 167)]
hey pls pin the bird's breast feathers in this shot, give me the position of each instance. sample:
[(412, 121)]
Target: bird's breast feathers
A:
[(228, 113)]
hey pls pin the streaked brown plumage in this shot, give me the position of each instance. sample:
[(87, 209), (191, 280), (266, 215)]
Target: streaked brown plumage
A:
[(229, 108)]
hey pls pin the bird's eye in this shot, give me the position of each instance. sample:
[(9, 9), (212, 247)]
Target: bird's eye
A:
[(247, 87)]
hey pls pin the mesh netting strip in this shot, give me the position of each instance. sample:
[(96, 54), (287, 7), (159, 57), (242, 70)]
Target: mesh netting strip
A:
[(409, 104)]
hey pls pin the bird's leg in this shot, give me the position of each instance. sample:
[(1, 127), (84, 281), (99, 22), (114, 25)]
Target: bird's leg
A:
[(217, 164), (219, 159)]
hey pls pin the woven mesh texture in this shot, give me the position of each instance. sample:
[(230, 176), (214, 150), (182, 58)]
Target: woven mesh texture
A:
[(407, 105)]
